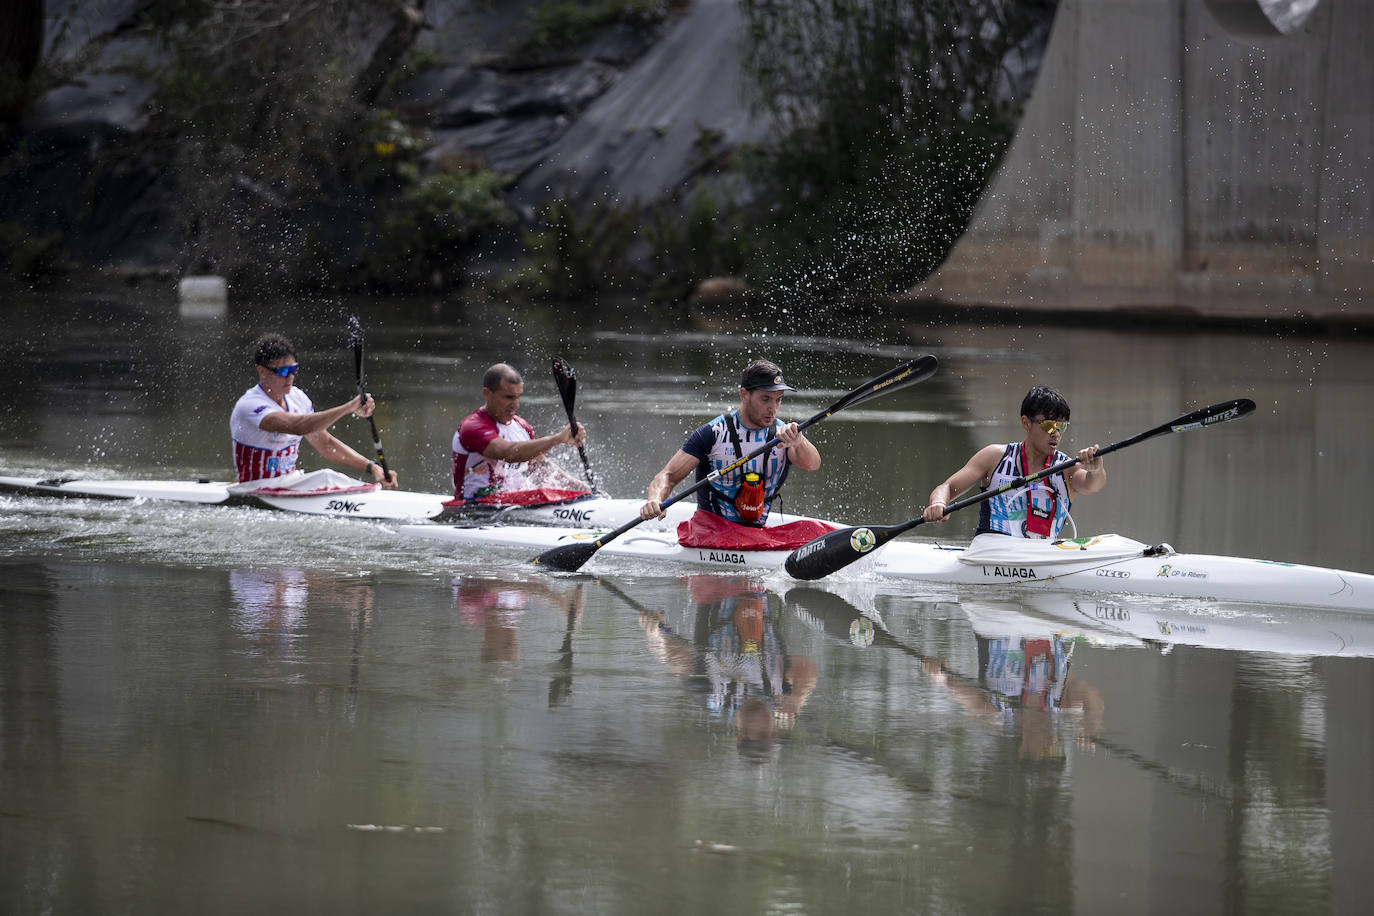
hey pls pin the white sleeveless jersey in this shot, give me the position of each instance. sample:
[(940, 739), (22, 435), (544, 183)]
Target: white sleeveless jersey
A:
[(1037, 511), (258, 453)]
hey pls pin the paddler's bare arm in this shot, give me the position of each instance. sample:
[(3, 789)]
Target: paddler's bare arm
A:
[(1091, 474), (800, 450), (337, 452), (978, 470), (673, 473), (516, 452), (305, 424)]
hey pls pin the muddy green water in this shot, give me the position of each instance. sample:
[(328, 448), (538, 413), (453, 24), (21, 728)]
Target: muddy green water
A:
[(232, 710)]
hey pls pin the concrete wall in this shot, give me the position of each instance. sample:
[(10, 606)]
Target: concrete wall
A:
[(1168, 160)]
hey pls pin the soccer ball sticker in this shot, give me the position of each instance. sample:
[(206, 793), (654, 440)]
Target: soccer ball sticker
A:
[(862, 540)]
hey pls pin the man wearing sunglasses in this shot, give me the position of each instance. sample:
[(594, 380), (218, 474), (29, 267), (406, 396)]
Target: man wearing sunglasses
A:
[(1040, 509), (271, 418)]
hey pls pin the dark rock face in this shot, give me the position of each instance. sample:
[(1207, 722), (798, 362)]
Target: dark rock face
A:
[(506, 118), (111, 211), (457, 96)]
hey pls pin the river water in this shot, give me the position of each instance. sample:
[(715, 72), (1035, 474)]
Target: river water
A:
[(237, 710)]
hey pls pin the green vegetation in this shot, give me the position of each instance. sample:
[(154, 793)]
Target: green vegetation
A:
[(266, 113), (25, 257), (712, 239), (421, 237), (571, 255)]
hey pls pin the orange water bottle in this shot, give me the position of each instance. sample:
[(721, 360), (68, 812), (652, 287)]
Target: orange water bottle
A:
[(749, 499)]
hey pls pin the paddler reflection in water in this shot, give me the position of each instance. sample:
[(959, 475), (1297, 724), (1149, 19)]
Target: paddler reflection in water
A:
[(1023, 687), (1037, 511), (271, 418), (736, 659), (1026, 688), (496, 456), (497, 605), (732, 511)]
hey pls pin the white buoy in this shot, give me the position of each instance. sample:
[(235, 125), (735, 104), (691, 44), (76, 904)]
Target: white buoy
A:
[(203, 297)]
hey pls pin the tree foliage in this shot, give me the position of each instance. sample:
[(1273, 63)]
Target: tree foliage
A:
[(892, 116), (21, 45), (267, 111)]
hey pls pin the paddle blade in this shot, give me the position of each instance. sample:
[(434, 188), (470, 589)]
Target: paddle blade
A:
[(566, 557), (835, 550), (566, 378), (355, 340), (1217, 413), (908, 373), (1203, 416)]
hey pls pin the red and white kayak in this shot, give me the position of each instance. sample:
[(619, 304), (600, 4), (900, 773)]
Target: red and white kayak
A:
[(328, 492)]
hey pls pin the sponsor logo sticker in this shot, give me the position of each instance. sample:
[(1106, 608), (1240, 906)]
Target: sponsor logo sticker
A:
[(862, 540), (1082, 543), (1168, 571)]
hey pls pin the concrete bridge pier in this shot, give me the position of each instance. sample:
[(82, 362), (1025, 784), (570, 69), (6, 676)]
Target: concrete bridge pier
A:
[(1179, 158)]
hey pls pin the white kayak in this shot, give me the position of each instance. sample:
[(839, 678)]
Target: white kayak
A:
[(324, 492), (1104, 564), (328, 492), (186, 491)]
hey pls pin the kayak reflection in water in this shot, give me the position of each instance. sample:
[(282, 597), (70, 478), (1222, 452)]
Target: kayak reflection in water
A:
[(733, 510), (496, 454), (736, 659), (271, 418), (1040, 509)]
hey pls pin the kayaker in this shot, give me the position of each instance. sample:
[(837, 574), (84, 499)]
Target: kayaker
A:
[(732, 511), (496, 454), (1037, 511), (271, 418)]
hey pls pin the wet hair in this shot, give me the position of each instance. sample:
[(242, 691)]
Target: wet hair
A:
[(499, 373), (270, 348), (1046, 403)]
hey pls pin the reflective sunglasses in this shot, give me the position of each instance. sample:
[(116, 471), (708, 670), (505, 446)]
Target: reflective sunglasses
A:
[(1052, 426), (284, 371)]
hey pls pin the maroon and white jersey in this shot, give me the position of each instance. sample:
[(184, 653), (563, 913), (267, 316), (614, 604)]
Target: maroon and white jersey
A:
[(475, 476), (258, 453)]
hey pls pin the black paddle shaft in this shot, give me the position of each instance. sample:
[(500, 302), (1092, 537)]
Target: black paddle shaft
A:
[(566, 378), (355, 331), (571, 557), (835, 550)]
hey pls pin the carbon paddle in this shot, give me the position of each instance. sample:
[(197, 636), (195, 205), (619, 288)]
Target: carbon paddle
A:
[(566, 378), (355, 339), (835, 550), (570, 557)]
